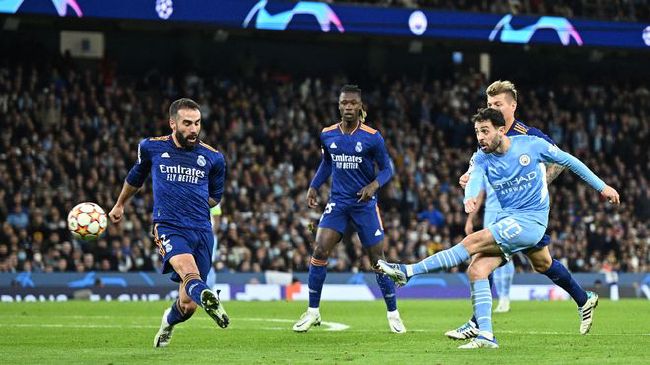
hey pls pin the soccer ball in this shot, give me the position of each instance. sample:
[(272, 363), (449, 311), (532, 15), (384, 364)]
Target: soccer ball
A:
[(87, 221)]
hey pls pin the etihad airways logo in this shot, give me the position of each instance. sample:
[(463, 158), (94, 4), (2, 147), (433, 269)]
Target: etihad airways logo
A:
[(180, 173), (346, 162), (517, 184)]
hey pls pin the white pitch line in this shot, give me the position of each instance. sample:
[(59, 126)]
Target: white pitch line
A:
[(331, 326)]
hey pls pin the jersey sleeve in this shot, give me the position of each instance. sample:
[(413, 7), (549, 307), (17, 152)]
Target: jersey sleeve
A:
[(217, 178), (532, 131), (552, 153), (140, 170), (475, 183), (324, 169), (384, 162)]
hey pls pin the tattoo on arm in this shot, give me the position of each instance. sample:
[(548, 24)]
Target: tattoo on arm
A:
[(553, 171)]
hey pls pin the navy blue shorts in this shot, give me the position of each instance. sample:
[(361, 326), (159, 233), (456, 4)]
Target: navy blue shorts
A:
[(172, 241), (365, 218)]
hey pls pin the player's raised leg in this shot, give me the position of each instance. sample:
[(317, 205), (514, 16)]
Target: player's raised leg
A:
[(197, 290), (503, 281), (554, 270), (326, 239), (481, 241)]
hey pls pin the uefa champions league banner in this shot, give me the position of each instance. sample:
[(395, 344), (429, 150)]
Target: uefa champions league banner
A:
[(314, 16), (270, 286)]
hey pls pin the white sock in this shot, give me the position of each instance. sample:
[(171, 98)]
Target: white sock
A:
[(394, 313), (311, 310)]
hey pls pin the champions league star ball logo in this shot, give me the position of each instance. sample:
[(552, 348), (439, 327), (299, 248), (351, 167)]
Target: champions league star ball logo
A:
[(646, 36), (358, 147), (524, 160), (200, 161), (164, 8)]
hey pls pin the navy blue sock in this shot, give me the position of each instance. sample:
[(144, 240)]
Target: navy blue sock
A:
[(194, 286), (317, 274), (491, 281), (563, 278), (176, 316), (387, 287)]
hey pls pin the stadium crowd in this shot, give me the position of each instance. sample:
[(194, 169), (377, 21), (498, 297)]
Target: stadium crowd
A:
[(619, 10), (70, 135)]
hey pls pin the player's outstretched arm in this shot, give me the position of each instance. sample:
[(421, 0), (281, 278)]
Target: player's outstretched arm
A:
[(118, 210), (133, 181), (554, 154)]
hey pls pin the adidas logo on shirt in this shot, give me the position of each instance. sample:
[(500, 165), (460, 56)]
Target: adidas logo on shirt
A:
[(333, 145), (165, 155)]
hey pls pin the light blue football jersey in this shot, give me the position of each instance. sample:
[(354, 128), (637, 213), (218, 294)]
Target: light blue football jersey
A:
[(518, 176)]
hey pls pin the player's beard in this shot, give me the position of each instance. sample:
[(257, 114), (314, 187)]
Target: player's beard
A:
[(184, 142), (494, 145)]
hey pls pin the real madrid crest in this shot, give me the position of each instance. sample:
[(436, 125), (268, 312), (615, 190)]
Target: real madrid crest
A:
[(201, 161), (524, 160), (358, 147)]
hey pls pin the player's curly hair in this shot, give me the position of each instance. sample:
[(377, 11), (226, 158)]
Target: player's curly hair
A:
[(493, 115)]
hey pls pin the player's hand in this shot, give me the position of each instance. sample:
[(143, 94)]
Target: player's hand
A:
[(116, 213), (470, 205), (312, 198), (469, 227), (611, 195), (463, 180), (368, 191)]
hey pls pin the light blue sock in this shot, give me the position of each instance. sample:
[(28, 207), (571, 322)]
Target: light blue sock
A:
[(503, 279), (442, 260), (482, 303), (509, 273)]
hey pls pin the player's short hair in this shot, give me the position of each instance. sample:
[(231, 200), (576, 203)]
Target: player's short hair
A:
[(493, 115), (502, 87), (349, 88), (182, 103)]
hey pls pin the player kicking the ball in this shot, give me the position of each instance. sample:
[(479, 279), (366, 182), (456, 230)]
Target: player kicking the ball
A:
[(188, 178), (513, 166)]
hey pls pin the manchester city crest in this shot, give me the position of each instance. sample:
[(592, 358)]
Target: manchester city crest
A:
[(524, 160), (200, 161), (358, 147)]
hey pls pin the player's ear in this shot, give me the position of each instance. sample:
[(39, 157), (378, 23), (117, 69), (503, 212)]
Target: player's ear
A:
[(172, 123)]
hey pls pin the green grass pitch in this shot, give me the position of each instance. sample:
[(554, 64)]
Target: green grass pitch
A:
[(260, 333)]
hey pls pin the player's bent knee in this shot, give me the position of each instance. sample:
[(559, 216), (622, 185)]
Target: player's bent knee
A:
[(188, 309), (477, 272), (542, 266)]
